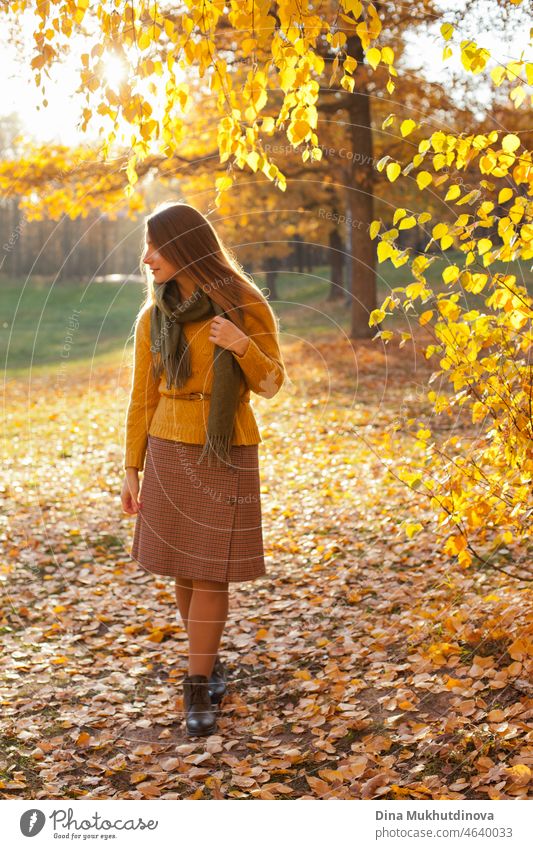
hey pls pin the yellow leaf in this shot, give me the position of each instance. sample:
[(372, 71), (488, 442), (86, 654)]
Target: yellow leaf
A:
[(438, 140), (473, 58), (412, 528), (447, 31), (474, 283), (456, 544), (414, 290), (518, 95), (387, 55), (521, 648), (298, 131), (385, 250), (407, 223), (400, 258), (374, 229), (304, 674), (483, 246), (439, 230), (135, 777), (425, 317), (252, 158), (169, 27), (131, 173), (156, 636), (373, 57), (486, 207), (450, 273), (144, 40), (400, 792), (393, 170), (399, 214), (82, 739), (510, 143), (423, 179), (376, 316), (520, 774), (407, 126), (353, 6), (452, 193), (443, 649), (498, 74), (505, 195), (526, 232), (224, 182)]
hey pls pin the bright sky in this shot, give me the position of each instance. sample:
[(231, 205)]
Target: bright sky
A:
[(55, 123), (58, 121)]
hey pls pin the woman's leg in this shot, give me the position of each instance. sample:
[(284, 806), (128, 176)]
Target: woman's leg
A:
[(208, 611), (183, 597)]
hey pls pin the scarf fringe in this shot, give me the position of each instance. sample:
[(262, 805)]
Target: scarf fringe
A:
[(216, 446)]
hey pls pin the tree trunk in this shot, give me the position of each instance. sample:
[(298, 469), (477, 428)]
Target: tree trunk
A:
[(336, 263), (299, 253), (361, 200), (307, 257), (271, 276)]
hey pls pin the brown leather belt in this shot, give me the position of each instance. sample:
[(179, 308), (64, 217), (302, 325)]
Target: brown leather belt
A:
[(199, 396), (192, 396)]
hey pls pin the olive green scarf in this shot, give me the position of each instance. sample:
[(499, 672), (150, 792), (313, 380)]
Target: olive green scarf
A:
[(168, 315)]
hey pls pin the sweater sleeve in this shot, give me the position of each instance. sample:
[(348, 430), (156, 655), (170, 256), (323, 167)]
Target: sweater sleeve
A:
[(144, 396), (262, 363)]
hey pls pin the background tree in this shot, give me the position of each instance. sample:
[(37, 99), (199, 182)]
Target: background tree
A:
[(268, 69)]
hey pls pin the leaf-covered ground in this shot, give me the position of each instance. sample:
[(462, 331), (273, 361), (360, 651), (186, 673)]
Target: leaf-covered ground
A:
[(365, 665)]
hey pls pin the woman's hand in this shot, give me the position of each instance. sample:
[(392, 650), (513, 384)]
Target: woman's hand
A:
[(227, 335), (130, 491)]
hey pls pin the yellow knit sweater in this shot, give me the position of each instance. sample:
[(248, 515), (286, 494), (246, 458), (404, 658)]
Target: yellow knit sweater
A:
[(154, 409)]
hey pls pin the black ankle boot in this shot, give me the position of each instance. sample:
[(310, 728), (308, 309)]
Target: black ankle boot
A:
[(217, 682), (200, 717)]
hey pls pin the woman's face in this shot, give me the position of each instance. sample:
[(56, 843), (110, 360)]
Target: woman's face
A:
[(160, 267)]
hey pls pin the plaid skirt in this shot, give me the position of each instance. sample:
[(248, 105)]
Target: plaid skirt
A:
[(198, 521)]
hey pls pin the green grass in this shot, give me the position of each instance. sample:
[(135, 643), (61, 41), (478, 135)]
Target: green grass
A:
[(35, 323), (34, 326)]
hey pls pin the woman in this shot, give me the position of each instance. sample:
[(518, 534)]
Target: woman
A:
[(204, 338)]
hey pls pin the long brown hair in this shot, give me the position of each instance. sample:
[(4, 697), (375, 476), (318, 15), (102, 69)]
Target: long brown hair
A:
[(184, 236)]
